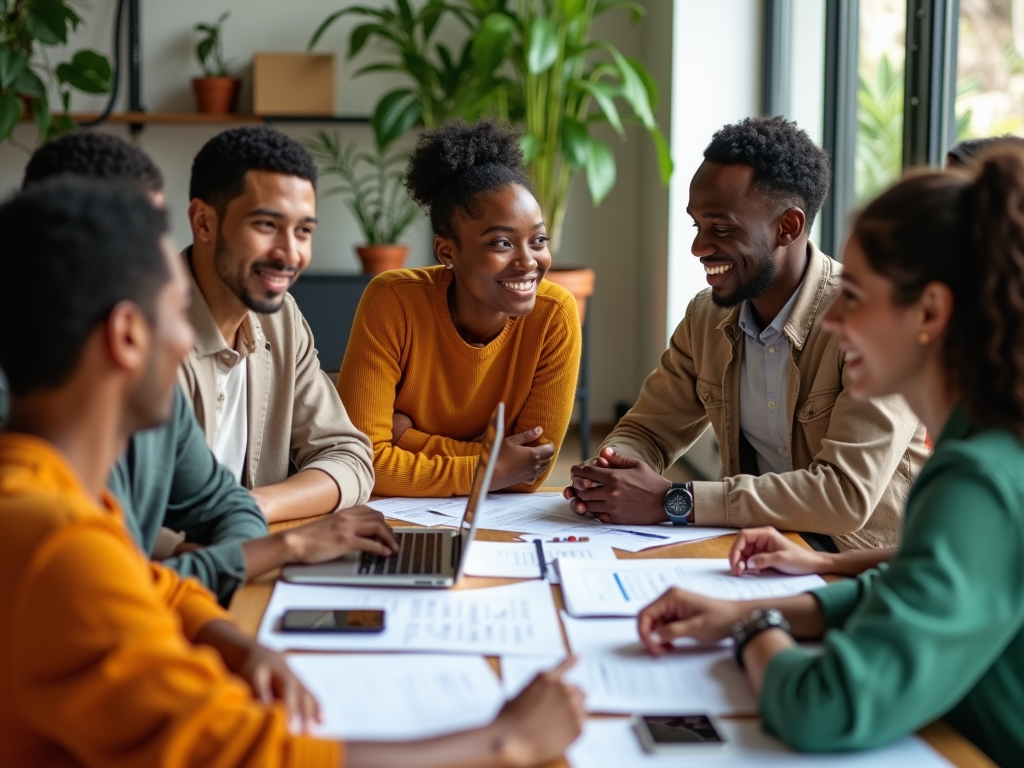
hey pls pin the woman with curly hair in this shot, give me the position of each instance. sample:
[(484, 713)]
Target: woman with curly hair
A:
[(434, 350), (932, 308)]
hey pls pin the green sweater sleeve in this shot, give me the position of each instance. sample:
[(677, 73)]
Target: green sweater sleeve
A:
[(212, 509), (915, 637)]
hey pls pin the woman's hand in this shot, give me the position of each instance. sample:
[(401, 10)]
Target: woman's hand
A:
[(399, 423), (519, 462), (762, 549), (683, 614), (538, 724)]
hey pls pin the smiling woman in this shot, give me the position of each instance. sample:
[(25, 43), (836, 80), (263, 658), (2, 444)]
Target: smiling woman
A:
[(433, 350)]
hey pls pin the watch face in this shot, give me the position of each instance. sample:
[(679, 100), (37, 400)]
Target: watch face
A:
[(678, 502)]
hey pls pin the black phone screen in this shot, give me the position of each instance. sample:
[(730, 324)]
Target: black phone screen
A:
[(683, 729), (321, 620)]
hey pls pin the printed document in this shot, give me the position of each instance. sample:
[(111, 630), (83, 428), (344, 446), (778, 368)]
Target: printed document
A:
[(517, 619), (610, 742), (398, 696), (518, 560), (624, 587), (429, 512)]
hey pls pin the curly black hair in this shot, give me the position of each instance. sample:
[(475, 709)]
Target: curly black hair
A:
[(218, 171), (786, 163), (452, 165), (75, 247), (966, 151), (98, 155)]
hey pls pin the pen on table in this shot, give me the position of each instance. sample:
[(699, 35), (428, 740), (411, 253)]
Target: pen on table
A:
[(541, 561), (648, 535)]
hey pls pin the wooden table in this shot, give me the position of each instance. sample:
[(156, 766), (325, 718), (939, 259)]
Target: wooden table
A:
[(251, 601)]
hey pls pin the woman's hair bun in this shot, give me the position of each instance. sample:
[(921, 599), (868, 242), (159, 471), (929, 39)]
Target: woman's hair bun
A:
[(452, 150)]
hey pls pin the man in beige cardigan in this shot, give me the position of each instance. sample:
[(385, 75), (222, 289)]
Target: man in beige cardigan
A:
[(751, 359), (269, 413)]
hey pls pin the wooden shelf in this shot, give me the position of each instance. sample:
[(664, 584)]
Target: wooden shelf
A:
[(197, 118)]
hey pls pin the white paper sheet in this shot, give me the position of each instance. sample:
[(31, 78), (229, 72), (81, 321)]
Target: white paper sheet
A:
[(518, 619), (624, 587), (429, 512), (620, 677), (614, 743), (548, 514), (518, 560), (398, 696)]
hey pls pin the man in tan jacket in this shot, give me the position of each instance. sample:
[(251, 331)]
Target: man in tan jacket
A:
[(269, 413), (751, 359)]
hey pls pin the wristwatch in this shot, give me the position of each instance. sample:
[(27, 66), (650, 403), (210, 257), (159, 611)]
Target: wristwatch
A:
[(745, 630), (679, 503)]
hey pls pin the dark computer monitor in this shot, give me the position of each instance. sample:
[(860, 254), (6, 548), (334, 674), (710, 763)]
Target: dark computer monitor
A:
[(329, 302)]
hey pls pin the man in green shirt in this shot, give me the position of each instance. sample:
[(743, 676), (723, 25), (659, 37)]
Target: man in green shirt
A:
[(168, 478)]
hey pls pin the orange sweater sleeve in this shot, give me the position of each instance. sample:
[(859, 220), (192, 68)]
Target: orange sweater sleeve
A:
[(418, 464), (553, 389), (107, 673)]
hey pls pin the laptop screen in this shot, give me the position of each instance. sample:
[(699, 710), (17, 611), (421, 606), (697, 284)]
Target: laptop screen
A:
[(484, 468)]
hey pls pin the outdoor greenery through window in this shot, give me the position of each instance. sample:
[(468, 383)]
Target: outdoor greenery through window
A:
[(881, 58), (990, 68)]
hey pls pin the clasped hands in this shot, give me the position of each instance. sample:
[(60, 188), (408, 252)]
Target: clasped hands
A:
[(618, 489)]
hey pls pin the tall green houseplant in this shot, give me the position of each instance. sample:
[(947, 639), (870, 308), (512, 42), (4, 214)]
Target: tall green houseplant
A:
[(27, 29)]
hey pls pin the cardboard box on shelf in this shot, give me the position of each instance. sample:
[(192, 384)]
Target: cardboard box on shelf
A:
[(293, 84)]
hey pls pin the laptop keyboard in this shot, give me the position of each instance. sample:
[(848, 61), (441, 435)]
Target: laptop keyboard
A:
[(418, 553)]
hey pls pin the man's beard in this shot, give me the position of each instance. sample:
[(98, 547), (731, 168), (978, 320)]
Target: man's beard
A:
[(222, 262), (758, 283)]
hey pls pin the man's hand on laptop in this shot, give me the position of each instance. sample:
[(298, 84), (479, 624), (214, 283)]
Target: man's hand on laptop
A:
[(618, 489), (357, 529), (520, 462)]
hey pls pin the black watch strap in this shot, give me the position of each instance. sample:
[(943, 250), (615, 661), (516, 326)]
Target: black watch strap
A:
[(758, 621)]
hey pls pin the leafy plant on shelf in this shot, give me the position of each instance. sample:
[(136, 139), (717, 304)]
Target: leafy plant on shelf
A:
[(372, 186), (444, 83), (27, 29), (210, 48)]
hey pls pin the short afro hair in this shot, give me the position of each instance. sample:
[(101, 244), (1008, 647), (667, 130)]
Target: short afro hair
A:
[(97, 155), (786, 163), (452, 165), (964, 153), (75, 247), (218, 171)]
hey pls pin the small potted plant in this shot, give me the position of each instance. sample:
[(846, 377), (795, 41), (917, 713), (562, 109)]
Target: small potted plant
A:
[(376, 196), (216, 92)]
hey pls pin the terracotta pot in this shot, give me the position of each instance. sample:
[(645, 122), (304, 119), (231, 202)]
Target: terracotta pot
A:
[(381, 258), (579, 281), (216, 95)]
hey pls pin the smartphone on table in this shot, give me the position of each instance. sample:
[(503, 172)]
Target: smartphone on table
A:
[(332, 620), (679, 734)]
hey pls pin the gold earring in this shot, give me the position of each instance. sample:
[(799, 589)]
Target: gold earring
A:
[(923, 338)]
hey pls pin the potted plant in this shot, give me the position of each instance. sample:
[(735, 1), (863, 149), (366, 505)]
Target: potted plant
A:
[(372, 185), (216, 92), (27, 27)]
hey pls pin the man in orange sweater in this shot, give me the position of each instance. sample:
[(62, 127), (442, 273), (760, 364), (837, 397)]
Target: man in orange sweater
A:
[(107, 659)]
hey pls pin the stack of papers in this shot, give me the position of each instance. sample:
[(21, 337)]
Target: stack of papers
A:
[(619, 676), (613, 742), (398, 696), (518, 619), (624, 587), (428, 512), (518, 560)]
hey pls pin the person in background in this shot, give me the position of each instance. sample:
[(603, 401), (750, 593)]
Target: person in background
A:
[(271, 416), (750, 357), (109, 659), (167, 481), (433, 350), (932, 309)]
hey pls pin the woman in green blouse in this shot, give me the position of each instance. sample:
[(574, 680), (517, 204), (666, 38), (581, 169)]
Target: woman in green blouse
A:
[(932, 308)]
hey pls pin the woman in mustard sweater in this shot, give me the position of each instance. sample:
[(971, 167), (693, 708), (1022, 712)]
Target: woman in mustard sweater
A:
[(434, 350)]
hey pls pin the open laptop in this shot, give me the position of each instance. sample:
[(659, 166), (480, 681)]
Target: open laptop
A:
[(427, 557)]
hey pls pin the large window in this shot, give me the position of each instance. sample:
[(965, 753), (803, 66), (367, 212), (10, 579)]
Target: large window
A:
[(881, 57), (990, 68)]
